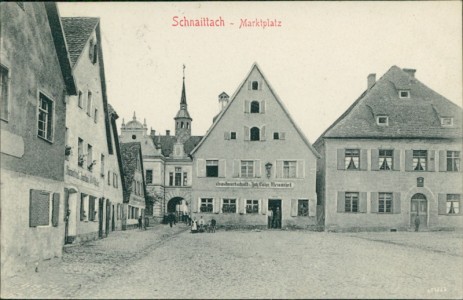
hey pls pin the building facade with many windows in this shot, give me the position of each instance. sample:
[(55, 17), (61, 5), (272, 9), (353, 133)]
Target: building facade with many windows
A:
[(393, 157), (36, 81), (254, 161)]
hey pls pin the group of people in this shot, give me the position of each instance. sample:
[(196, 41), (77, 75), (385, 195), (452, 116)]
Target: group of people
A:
[(201, 226), (273, 218)]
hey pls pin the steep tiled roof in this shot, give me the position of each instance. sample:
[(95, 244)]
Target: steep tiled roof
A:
[(414, 117), (112, 111), (77, 31), (129, 155), (167, 143)]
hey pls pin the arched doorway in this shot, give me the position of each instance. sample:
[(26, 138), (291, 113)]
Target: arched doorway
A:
[(419, 207), (172, 204)]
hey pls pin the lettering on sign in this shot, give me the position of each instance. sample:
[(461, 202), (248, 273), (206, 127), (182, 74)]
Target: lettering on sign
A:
[(256, 184), (86, 178)]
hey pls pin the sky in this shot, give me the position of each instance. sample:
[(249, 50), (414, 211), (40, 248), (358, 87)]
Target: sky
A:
[(317, 61)]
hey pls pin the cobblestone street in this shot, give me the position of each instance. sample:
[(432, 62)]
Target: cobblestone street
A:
[(168, 262)]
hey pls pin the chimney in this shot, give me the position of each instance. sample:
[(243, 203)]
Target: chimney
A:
[(167, 132), (371, 80), (410, 72)]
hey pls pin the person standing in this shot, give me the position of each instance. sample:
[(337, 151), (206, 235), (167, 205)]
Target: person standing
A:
[(417, 222), (276, 218), (194, 226), (171, 219), (201, 224), (269, 217), (140, 222)]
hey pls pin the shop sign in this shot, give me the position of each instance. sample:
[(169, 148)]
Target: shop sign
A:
[(255, 184), (86, 178)]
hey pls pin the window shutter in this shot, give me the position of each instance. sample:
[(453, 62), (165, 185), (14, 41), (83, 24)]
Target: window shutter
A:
[(226, 135), (408, 160), (293, 207), (396, 203), (216, 205), (262, 105), (363, 202), (90, 50), (262, 133), (222, 167), (396, 162), (250, 85), (242, 205), (257, 168), (264, 206), (300, 168), (260, 85), (431, 161), (341, 202), (259, 209), (279, 169), (312, 207), (236, 168), (442, 204), (55, 212), (66, 201), (39, 208), (442, 160), (374, 202), (246, 106), (363, 160), (374, 159), (246, 133), (201, 165), (282, 135), (340, 154), (81, 207)]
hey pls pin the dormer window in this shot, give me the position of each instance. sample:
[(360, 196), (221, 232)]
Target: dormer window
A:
[(446, 121), (93, 51), (255, 85), (404, 94), (382, 120)]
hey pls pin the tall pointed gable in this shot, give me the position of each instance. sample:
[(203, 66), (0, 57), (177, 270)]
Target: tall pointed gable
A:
[(417, 115), (255, 76), (78, 31)]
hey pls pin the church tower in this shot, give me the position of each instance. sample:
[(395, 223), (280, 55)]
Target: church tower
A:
[(183, 119)]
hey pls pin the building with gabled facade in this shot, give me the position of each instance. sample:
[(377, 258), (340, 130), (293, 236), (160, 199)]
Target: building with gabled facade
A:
[(92, 168), (167, 164), (395, 154), (133, 185), (254, 159), (36, 81)]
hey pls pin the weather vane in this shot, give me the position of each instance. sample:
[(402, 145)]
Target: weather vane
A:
[(183, 71)]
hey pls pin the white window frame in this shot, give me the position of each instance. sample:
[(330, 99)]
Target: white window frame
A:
[(288, 162), (443, 119), (201, 202), (229, 199), (247, 168), (404, 97), (391, 200), (385, 118), (48, 139)]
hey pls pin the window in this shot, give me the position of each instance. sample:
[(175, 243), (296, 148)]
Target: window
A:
[(351, 159), (385, 159), (255, 107), (453, 161), (276, 135), (419, 160), (83, 207), (289, 169), (255, 134), (351, 202), (182, 125), (80, 152), (91, 208), (185, 179), (212, 168), (382, 120), (447, 121), (303, 208), (206, 205), (171, 178), (404, 94), (247, 168), (39, 208), (453, 204), (252, 206), (4, 91), (90, 157), (109, 177), (45, 121), (102, 165), (95, 115), (233, 135), (385, 203), (89, 103), (80, 100), (149, 176), (95, 53), (229, 206), (115, 180), (178, 176), (255, 85), (134, 137)]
